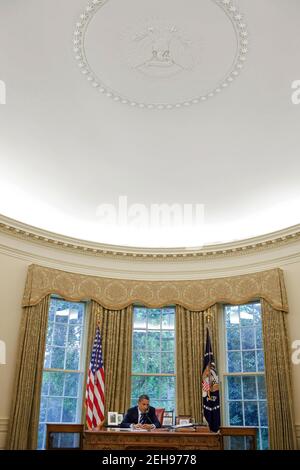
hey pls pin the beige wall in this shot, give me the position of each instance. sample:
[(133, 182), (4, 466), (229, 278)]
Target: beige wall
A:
[(12, 278), (292, 279), (16, 255)]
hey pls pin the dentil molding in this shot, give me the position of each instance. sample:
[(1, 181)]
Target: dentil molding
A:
[(52, 240)]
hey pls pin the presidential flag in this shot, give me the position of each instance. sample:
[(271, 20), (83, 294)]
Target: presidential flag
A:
[(210, 388), (95, 386)]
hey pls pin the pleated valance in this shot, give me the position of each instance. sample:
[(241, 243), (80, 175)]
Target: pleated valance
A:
[(119, 293)]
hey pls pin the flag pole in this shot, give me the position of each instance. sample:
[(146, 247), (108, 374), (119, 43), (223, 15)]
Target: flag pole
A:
[(98, 320), (208, 321)]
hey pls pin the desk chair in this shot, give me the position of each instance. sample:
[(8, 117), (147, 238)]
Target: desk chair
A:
[(160, 414)]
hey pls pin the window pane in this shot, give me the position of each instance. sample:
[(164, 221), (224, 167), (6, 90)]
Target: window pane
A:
[(41, 436), (153, 363), (65, 440), (52, 310), (259, 342), (72, 358), (246, 315), (233, 338), (76, 315), (153, 341), (167, 320), (264, 438), (236, 443), (56, 380), (45, 383), (167, 363), (152, 387), (57, 358), (72, 384), (74, 335), (167, 341), (60, 334), (234, 386), (43, 410), (235, 413), (167, 389), (260, 361), (69, 410), (161, 390), (234, 362), (139, 340), (62, 315), (251, 413), (47, 358), (137, 387), (50, 331), (54, 410), (154, 320), (138, 362), (139, 318), (249, 363), (249, 388), (247, 338), (263, 413), (256, 313), (261, 385), (232, 315)]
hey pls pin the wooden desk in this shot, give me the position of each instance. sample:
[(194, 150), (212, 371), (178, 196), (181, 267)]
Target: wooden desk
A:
[(157, 439)]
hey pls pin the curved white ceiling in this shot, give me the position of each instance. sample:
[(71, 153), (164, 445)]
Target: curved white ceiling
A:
[(77, 163)]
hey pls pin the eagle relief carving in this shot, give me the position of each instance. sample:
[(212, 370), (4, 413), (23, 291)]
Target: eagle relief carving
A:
[(161, 50)]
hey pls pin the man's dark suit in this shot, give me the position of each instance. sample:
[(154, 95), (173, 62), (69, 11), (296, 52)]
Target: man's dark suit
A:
[(132, 417)]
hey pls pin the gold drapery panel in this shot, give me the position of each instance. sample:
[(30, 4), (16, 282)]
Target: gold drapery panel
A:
[(190, 345), (116, 334), (195, 295), (23, 428), (278, 379)]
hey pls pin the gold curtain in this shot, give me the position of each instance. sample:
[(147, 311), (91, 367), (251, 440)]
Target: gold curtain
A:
[(190, 344), (116, 334), (278, 379), (194, 295), (23, 428)]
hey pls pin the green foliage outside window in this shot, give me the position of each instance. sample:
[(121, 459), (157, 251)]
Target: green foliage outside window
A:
[(62, 383), (246, 400), (153, 356)]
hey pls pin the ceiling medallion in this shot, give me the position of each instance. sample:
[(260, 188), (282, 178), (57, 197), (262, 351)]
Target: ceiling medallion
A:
[(147, 61)]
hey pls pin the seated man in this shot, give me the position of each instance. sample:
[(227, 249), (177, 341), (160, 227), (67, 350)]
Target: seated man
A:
[(141, 416)]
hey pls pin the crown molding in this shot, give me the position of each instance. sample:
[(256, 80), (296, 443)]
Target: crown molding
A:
[(53, 240)]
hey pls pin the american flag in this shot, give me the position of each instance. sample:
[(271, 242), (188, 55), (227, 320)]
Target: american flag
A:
[(95, 386), (210, 388)]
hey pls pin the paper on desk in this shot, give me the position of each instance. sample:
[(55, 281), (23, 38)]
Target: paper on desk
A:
[(176, 426)]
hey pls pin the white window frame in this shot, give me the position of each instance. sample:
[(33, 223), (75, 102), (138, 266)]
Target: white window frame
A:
[(160, 330), (82, 362), (222, 365)]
